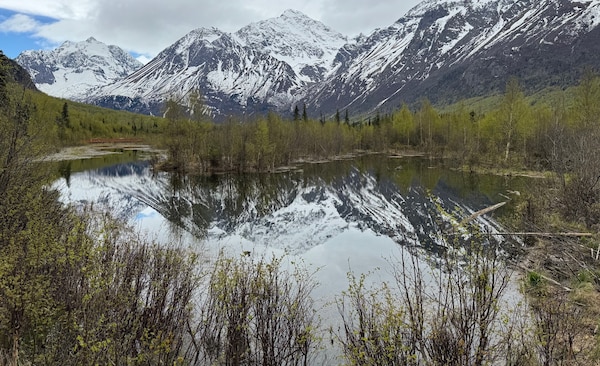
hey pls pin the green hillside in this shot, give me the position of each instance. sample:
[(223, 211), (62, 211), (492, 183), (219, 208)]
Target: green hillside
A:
[(62, 122), (75, 123)]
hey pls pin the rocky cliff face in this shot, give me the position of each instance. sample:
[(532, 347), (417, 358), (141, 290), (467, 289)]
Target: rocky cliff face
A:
[(16, 73)]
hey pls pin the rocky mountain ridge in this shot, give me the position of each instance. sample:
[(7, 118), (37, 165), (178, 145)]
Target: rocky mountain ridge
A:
[(263, 66)]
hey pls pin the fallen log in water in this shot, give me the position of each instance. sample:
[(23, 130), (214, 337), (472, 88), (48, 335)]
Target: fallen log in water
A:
[(482, 212)]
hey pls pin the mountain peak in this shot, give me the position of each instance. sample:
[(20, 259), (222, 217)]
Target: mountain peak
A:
[(91, 40), (292, 13), (305, 44), (207, 33)]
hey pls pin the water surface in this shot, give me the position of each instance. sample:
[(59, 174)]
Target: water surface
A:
[(353, 215)]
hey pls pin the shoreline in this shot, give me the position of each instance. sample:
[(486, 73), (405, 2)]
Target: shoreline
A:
[(90, 151)]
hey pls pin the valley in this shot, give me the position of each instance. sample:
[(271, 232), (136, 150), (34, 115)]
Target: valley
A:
[(281, 194)]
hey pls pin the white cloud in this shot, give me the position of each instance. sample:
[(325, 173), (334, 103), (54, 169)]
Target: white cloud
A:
[(56, 9), (359, 16), (19, 23)]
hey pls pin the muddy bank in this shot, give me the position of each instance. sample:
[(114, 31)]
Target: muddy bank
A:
[(99, 149)]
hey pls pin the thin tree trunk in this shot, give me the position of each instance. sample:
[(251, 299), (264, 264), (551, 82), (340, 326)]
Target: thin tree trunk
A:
[(15, 351), (507, 153)]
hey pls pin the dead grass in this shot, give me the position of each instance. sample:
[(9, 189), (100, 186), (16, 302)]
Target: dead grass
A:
[(574, 270), (95, 150)]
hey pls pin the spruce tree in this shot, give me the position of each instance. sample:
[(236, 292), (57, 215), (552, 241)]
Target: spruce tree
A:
[(304, 115), (66, 120)]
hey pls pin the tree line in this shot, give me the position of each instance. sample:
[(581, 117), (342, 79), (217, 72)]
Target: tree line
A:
[(557, 135), (514, 132)]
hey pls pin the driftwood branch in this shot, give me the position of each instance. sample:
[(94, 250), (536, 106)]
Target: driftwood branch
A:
[(482, 212), (497, 206)]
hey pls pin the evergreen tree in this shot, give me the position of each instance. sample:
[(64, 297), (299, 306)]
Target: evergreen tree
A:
[(304, 114), (337, 116), (377, 120), (347, 117), (65, 116), (296, 113)]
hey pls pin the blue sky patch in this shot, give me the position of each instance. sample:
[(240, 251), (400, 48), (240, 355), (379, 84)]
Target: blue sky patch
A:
[(12, 43)]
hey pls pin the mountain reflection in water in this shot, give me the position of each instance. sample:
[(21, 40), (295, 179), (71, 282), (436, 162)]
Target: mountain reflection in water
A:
[(405, 200), (336, 217)]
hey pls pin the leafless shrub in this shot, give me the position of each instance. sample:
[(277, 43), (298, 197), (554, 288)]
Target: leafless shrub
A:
[(558, 324), (256, 312), (449, 314), (125, 300)]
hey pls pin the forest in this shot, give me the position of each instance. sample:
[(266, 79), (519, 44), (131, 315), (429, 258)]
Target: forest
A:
[(79, 287)]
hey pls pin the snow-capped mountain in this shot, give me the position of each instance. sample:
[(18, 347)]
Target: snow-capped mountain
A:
[(231, 77), (443, 50), (305, 44), (73, 69), (451, 49), (261, 67)]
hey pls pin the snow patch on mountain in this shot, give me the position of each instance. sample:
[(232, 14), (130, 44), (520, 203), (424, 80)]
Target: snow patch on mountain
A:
[(250, 69), (591, 16), (440, 39)]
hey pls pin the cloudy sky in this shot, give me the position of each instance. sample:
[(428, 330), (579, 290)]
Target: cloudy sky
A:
[(145, 27)]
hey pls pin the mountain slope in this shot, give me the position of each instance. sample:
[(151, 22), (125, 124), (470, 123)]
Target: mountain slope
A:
[(305, 44), (16, 73), (74, 69), (232, 77), (261, 67), (451, 49)]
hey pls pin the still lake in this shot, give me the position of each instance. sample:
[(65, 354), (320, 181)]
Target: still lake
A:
[(406, 200), (340, 216)]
